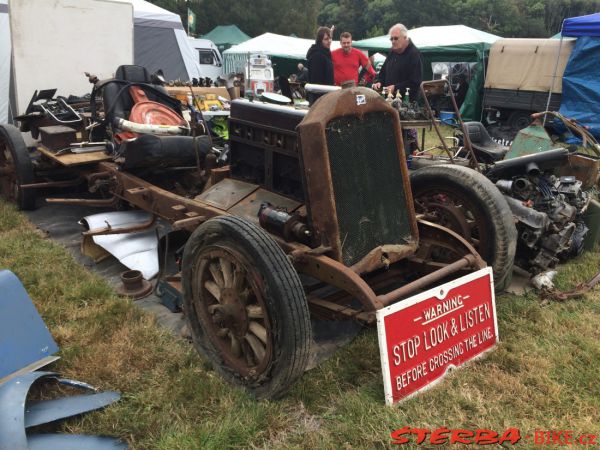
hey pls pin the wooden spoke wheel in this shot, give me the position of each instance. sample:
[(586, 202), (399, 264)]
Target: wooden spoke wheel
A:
[(245, 306), (233, 308), (15, 168)]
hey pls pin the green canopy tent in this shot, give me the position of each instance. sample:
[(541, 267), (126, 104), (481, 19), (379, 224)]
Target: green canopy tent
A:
[(225, 36), (451, 43)]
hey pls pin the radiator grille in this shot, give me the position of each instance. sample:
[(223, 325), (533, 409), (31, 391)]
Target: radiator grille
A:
[(367, 184)]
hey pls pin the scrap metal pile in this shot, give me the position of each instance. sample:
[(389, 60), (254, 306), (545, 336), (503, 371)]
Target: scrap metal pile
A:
[(548, 187), (294, 192), (254, 215)]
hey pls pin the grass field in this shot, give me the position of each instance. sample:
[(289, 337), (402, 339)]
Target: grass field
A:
[(544, 375)]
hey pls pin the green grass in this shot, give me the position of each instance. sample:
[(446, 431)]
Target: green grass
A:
[(543, 375)]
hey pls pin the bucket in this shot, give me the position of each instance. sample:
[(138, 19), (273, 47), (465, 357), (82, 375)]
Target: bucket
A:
[(448, 118)]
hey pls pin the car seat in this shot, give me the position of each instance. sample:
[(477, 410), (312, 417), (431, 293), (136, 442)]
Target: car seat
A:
[(486, 150), (147, 150)]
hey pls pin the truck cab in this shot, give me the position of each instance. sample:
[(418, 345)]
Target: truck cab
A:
[(209, 58)]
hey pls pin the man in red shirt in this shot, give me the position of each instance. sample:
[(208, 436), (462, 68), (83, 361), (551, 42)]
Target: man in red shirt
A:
[(347, 61)]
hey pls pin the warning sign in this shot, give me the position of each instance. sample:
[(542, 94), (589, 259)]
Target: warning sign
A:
[(420, 338)]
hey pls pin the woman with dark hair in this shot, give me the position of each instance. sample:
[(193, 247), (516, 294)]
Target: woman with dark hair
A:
[(320, 66)]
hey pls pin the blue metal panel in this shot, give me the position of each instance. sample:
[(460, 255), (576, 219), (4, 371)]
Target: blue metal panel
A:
[(74, 442), (12, 407), (24, 338), (46, 411)]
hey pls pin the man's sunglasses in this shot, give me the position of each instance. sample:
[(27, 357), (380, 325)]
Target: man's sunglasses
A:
[(394, 38)]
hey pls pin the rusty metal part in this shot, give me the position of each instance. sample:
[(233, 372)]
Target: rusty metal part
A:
[(9, 182), (336, 274), (467, 140), (227, 193), (315, 161), (583, 167), (93, 177), (589, 141), (440, 274), (279, 222), (56, 137), (331, 310), (219, 173), (54, 184), (248, 208), (151, 198), (120, 230), (113, 201), (93, 250), (191, 223), (575, 293), (384, 256), (435, 235), (134, 285), (453, 211), (229, 297)]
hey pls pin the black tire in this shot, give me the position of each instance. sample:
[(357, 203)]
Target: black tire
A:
[(517, 120), (16, 168), (471, 205), (273, 306)]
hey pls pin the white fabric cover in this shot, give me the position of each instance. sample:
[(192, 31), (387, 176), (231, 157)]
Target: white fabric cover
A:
[(55, 42), (4, 61)]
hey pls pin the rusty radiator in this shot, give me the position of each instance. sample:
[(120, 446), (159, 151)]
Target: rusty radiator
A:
[(370, 198)]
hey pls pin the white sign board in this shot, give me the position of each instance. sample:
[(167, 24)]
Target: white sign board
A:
[(55, 42)]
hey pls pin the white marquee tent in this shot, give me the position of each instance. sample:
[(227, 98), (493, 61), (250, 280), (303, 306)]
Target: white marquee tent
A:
[(270, 44), (160, 42)]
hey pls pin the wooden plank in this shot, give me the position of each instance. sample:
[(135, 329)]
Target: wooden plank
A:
[(75, 159)]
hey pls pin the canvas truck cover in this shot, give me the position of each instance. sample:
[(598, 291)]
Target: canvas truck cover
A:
[(528, 64)]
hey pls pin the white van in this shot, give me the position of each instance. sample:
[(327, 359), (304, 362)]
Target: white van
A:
[(209, 58)]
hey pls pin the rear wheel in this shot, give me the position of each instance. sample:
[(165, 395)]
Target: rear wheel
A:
[(466, 202), (517, 120), (245, 306), (15, 168)]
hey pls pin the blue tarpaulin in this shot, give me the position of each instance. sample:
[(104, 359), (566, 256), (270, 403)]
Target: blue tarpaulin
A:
[(581, 79), (582, 26)]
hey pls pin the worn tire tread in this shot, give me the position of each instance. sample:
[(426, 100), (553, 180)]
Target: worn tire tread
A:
[(298, 336)]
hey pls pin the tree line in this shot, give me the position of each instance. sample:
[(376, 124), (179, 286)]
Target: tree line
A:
[(368, 18)]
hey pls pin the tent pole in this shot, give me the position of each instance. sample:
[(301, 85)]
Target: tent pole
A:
[(484, 75), (554, 74)]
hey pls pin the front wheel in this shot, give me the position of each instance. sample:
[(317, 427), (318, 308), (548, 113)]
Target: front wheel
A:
[(246, 306), (466, 202)]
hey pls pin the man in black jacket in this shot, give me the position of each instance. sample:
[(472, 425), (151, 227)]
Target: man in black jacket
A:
[(403, 67), (320, 66)]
